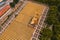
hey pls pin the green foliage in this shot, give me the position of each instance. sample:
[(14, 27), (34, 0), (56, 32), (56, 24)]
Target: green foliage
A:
[(15, 1), (44, 38), (49, 2), (44, 35), (44, 32), (57, 28), (53, 18), (59, 8), (12, 5)]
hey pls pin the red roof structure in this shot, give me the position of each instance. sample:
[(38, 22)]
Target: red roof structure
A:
[(5, 9)]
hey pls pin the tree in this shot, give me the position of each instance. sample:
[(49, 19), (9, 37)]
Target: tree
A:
[(59, 17), (15, 1), (46, 34), (56, 32), (12, 5), (52, 16), (59, 8), (57, 28)]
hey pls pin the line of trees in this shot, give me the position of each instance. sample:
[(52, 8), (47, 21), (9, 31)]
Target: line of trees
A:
[(53, 18)]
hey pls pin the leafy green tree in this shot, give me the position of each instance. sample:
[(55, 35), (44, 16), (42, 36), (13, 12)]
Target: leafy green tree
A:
[(46, 34), (59, 17), (15, 1), (59, 8), (12, 5), (57, 28), (56, 32), (53, 18)]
